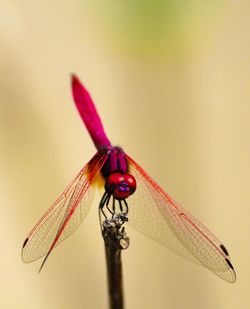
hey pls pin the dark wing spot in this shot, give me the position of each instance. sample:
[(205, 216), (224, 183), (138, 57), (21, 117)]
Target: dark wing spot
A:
[(224, 250), (229, 264), (25, 242)]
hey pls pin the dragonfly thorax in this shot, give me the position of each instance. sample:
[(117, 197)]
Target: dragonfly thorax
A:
[(120, 185)]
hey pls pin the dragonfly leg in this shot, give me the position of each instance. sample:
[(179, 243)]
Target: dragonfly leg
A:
[(126, 205), (107, 205), (104, 206), (120, 204), (105, 197), (113, 205)]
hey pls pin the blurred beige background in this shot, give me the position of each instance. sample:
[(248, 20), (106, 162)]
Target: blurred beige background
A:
[(171, 82)]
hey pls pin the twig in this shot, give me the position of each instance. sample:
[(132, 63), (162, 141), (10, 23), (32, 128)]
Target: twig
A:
[(115, 240)]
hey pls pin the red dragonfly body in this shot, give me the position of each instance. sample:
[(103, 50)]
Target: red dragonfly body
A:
[(130, 191)]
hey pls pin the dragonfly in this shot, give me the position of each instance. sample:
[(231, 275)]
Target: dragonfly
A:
[(129, 190)]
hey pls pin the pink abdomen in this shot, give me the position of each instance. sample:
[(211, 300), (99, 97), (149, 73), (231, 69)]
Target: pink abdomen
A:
[(89, 115)]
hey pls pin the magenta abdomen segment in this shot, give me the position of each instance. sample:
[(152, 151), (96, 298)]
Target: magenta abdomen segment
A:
[(89, 115), (116, 161)]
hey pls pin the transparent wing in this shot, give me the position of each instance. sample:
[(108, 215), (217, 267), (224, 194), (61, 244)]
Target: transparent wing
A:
[(154, 213), (65, 215)]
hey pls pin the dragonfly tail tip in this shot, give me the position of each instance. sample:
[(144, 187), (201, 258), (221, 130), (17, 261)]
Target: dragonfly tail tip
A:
[(74, 78)]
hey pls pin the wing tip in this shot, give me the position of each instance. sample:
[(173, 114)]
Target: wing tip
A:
[(223, 248), (229, 263), (25, 242), (233, 273)]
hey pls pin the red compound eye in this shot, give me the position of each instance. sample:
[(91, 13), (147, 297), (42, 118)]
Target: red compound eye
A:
[(120, 185), (115, 179), (130, 180)]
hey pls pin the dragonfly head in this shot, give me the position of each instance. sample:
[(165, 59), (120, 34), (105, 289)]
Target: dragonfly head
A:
[(120, 185)]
